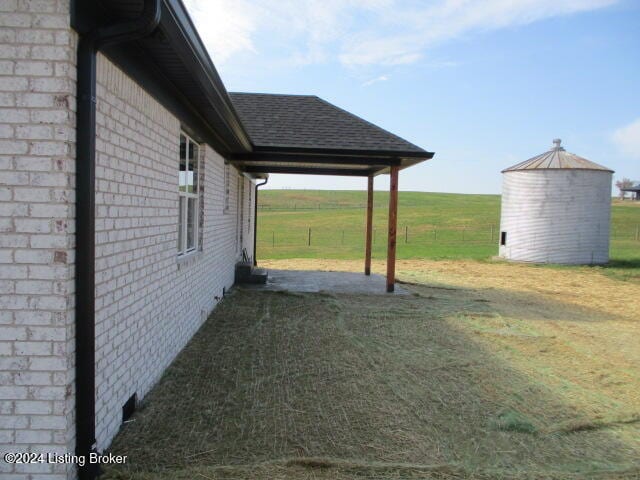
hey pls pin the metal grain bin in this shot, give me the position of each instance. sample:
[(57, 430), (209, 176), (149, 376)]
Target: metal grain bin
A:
[(556, 208)]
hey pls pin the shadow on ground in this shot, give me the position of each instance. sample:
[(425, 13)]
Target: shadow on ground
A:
[(442, 383), (630, 264)]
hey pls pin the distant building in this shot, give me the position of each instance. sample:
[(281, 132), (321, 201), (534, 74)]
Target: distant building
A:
[(634, 189), (556, 208)]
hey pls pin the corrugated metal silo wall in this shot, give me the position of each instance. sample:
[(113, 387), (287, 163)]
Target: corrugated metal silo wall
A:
[(556, 216)]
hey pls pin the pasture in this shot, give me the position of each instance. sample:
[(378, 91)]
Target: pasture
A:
[(430, 226)]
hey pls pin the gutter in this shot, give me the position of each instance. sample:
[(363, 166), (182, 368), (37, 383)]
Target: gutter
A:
[(205, 69), (88, 46), (255, 221)]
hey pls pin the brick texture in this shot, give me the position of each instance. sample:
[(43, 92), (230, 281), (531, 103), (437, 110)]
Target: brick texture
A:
[(150, 302), (37, 129)]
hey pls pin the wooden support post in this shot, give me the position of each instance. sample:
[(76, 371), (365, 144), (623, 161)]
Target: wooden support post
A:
[(393, 223), (369, 231)]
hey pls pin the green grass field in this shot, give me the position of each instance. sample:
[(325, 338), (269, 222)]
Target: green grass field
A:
[(430, 225)]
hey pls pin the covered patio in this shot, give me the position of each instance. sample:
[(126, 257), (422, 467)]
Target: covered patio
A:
[(313, 281), (304, 134)]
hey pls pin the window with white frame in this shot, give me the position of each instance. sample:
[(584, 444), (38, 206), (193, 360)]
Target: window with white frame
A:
[(189, 195)]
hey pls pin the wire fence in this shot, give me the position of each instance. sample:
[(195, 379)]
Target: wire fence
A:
[(627, 232), (311, 236), (307, 206)]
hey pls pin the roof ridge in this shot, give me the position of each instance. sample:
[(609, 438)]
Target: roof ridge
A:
[(274, 94)]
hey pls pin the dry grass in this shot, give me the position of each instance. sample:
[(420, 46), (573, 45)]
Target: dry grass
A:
[(627, 202), (582, 286), (486, 371)]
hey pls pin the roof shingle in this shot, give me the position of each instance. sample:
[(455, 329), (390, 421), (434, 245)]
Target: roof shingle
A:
[(308, 122)]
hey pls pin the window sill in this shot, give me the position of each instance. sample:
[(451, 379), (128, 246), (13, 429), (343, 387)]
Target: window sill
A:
[(188, 258)]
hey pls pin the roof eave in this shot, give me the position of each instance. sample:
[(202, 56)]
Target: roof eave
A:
[(202, 61), (324, 162), (179, 36), (288, 150)]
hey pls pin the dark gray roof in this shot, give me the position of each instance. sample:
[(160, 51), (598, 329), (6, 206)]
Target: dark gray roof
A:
[(557, 159), (635, 186), (308, 123)]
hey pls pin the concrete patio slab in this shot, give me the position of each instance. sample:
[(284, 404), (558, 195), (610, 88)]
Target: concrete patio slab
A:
[(331, 282)]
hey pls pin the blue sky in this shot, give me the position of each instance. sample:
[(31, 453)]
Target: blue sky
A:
[(483, 83)]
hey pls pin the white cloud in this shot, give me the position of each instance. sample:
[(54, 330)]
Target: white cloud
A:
[(418, 29), (627, 139), (226, 28), (362, 32), (306, 28), (381, 78)]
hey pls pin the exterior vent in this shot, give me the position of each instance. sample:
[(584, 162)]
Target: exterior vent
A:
[(129, 407)]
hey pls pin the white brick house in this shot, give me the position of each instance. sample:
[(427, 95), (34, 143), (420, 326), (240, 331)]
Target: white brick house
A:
[(149, 299), (127, 195)]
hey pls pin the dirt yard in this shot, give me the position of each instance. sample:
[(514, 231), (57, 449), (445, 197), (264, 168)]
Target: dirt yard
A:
[(487, 370)]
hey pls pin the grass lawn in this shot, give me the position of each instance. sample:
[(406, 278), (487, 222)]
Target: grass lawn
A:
[(485, 371)]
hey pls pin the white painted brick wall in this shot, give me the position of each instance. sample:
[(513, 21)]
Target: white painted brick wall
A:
[(150, 303), (37, 126)]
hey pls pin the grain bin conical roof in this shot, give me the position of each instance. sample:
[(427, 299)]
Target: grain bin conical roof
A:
[(557, 159)]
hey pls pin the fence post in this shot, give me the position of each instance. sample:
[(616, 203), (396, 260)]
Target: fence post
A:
[(273, 239), (435, 233), (492, 233), (309, 239), (342, 237), (637, 232), (463, 229)]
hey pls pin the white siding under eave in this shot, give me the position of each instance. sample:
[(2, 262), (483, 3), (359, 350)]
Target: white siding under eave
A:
[(556, 216)]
